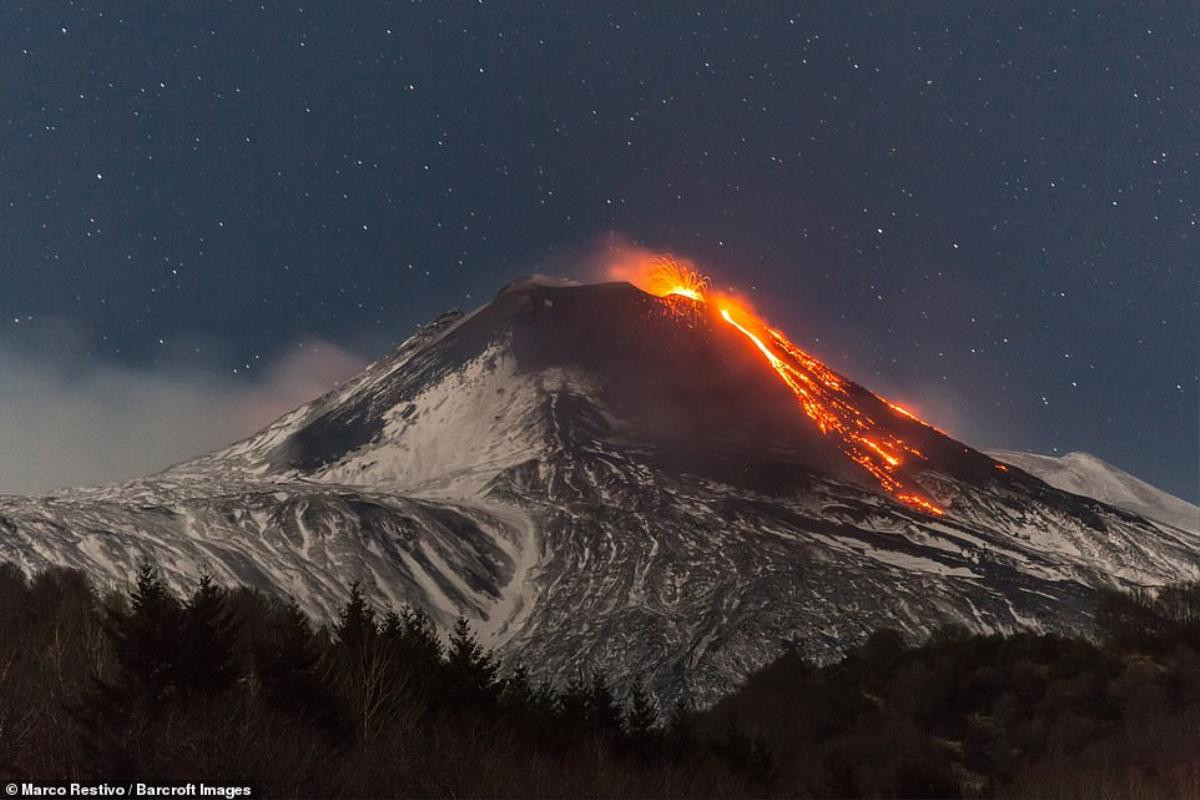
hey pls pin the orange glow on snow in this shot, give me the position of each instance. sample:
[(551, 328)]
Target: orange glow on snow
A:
[(822, 394)]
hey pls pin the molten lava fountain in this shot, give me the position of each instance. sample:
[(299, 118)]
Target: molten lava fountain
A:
[(822, 395)]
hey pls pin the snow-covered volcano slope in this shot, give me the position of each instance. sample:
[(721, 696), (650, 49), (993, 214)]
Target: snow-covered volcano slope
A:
[(599, 481), (1084, 474)]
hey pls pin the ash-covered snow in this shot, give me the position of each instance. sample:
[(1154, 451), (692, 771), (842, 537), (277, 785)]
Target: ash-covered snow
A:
[(487, 468), (1085, 474)]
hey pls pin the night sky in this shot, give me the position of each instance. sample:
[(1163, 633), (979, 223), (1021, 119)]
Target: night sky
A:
[(987, 211)]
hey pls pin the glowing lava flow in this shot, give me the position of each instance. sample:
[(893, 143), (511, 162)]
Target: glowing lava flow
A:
[(822, 394)]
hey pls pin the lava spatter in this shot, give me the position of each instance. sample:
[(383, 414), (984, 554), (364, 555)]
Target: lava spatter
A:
[(667, 277)]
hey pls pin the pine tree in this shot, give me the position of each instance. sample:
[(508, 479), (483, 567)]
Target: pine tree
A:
[(146, 639), (544, 702), (113, 719), (208, 657), (391, 627), (603, 712), (287, 661), (517, 693), (294, 645), (356, 628), (680, 732), (574, 704), (641, 721), (470, 670), (419, 636), (363, 667), (418, 654), (286, 656)]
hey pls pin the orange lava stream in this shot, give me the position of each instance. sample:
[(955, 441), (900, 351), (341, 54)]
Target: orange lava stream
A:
[(822, 394)]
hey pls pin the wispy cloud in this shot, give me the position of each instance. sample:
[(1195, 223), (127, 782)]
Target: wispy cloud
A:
[(68, 419)]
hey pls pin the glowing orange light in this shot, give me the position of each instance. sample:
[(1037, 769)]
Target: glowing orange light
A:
[(822, 394), (884, 454), (920, 502), (668, 277), (899, 410), (904, 412)]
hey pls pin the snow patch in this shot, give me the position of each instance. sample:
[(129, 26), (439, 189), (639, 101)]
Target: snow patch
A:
[(1086, 475)]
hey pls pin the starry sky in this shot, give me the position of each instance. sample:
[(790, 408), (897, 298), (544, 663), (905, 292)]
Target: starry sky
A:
[(986, 210)]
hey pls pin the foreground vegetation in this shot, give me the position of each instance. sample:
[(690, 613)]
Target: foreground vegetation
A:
[(978, 716), (230, 684)]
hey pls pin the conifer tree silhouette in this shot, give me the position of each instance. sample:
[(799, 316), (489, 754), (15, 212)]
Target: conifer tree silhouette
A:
[(642, 718), (603, 712), (207, 659), (147, 639), (470, 670)]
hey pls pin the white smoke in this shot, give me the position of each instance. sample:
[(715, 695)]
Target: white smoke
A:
[(68, 419)]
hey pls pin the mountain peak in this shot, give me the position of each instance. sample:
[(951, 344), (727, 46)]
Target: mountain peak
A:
[(1090, 476), (611, 477), (668, 365), (535, 279)]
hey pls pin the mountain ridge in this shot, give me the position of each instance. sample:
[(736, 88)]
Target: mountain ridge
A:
[(604, 479), (1090, 476)]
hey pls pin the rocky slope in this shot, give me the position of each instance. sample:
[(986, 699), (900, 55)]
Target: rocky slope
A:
[(600, 481), (1087, 475)]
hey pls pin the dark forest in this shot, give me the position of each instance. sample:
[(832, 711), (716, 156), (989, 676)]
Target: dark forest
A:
[(232, 683)]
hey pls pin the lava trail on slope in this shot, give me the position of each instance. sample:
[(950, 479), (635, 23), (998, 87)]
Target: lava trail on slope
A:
[(822, 395)]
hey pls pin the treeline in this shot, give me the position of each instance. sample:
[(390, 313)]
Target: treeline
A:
[(964, 715), (230, 684)]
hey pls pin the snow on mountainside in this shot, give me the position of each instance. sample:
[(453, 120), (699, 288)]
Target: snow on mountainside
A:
[(1084, 474), (601, 482)]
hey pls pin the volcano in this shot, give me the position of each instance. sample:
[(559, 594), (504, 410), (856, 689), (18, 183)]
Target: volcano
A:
[(650, 483)]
